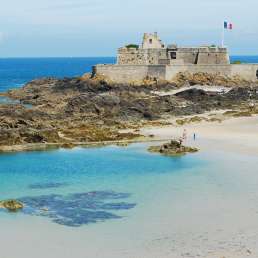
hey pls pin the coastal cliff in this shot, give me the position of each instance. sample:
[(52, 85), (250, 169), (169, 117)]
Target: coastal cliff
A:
[(75, 110)]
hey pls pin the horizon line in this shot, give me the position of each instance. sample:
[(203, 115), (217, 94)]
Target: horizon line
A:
[(71, 57)]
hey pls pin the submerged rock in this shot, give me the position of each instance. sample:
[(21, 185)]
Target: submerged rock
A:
[(11, 205), (78, 209), (172, 148)]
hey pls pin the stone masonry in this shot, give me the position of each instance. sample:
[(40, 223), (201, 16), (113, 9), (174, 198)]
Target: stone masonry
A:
[(155, 60)]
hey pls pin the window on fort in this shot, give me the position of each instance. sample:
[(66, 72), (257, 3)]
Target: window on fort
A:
[(150, 40), (173, 55)]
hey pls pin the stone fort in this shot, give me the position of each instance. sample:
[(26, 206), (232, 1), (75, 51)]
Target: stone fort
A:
[(153, 59)]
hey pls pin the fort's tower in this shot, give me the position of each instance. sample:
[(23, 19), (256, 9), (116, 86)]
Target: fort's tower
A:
[(152, 41)]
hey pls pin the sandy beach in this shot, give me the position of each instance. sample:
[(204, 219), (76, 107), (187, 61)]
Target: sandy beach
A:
[(238, 135), (207, 219)]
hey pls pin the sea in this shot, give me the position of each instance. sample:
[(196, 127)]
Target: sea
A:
[(15, 72), (113, 201)]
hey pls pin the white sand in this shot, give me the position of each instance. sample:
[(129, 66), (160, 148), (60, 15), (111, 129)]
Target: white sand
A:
[(236, 134)]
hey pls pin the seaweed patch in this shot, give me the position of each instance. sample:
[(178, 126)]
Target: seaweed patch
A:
[(77, 209)]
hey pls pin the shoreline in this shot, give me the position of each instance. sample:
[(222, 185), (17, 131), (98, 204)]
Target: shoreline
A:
[(238, 135), (49, 146), (233, 134)]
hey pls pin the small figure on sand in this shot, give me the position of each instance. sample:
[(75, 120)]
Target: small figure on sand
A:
[(194, 136), (184, 135), (251, 106)]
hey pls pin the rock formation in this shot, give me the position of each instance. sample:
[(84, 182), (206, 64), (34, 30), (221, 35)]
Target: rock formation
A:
[(11, 205), (74, 110), (173, 148)]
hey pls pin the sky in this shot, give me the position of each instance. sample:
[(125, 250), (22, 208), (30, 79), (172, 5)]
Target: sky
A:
[(80, 28)]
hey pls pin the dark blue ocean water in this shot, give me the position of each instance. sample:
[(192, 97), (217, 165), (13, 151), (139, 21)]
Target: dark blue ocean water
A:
[(14, 72)]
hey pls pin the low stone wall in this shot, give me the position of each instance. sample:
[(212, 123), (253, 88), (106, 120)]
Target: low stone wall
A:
[(245, 71), (122, 73), (172, 71), (134, 73), (130, 73)]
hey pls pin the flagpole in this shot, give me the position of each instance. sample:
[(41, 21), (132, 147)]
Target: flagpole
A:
[(223, 34)]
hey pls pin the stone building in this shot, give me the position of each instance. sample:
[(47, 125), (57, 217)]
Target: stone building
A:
[(154, 59), (154, 52)]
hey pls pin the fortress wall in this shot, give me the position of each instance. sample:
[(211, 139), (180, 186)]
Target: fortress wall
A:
[(130, 73), (245, 71), (133, 56), (213, 58), (122, 73), (157, 71), (172, 71), (187, 56), (153, 55)]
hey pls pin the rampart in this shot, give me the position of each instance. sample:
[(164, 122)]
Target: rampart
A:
[(132, 73)]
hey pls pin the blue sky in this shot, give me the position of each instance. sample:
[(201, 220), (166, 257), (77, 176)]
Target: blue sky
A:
[(37, 28)]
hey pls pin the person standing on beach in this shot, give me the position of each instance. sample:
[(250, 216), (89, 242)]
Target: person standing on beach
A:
[(194, 136), (184, 135)]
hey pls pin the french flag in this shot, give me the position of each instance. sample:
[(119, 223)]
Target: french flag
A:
[(228, 26)]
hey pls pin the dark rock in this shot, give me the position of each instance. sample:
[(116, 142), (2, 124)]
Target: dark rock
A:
[(11, 205), (85, 109), (173, 148)]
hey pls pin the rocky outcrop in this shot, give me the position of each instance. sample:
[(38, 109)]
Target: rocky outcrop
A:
[(201, 78), (87, 109), (11, 205), (173, 148)]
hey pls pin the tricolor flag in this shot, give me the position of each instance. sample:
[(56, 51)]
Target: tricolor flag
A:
[(228, 26)]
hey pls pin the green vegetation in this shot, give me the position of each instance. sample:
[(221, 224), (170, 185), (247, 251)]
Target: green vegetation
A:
[(213, 45), (237, 62), (132, 46)]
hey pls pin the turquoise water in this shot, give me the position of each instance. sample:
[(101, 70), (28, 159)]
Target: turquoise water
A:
[(99, 175), (125, 202)]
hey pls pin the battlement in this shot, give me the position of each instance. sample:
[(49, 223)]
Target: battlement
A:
[(154, 52)]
